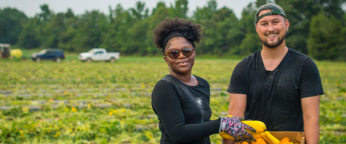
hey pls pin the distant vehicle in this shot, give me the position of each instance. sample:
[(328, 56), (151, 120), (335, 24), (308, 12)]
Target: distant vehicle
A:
[(48, 54), (99, 54), (5, 50), (16, 53)]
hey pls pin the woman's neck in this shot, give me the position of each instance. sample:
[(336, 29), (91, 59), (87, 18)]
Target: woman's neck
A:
[(188, 79)]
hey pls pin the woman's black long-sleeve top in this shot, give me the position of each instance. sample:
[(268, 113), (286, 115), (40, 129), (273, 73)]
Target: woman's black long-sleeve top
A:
[(183, 111)]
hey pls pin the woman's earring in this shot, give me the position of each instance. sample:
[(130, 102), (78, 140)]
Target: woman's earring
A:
[(195, 53)]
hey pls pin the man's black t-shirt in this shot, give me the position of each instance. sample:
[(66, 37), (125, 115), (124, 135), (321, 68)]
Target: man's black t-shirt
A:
[(274, 97), (184, 111)]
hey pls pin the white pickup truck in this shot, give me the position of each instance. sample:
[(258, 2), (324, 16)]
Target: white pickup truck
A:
[(99, 54)]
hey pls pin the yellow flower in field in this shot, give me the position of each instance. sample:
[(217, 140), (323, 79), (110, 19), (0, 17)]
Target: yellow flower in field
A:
[(57, 134), (110, 113), (21, 133), (65, 92), (149, 135), (143, 86), (73, 109), (51, 100), (89, 106), (123, 110), (26, 109)]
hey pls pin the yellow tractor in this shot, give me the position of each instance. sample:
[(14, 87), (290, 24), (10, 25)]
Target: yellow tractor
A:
[(6, 52)]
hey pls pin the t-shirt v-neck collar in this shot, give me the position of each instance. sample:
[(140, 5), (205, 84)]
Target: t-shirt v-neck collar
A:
[(273, 71), (198, 85)]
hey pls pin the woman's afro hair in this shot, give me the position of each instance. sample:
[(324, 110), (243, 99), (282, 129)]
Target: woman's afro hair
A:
[(170, 25)]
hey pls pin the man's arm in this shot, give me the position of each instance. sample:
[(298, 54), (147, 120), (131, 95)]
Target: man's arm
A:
[(237, 105), (311, 115)]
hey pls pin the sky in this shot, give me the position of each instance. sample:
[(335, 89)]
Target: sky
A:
[(32, 7)]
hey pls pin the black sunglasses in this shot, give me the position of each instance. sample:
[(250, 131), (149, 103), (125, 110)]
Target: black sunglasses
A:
[(174, 53)]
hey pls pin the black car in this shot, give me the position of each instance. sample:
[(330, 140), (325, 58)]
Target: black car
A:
[(48, 54)]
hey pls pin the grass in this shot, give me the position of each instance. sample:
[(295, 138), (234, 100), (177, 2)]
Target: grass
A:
[(99, 102)]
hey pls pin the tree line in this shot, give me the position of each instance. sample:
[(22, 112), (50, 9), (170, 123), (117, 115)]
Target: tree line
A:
[(318, 28)]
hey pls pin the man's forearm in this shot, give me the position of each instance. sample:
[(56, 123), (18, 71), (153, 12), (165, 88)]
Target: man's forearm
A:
[(237, 105), (312, 131)]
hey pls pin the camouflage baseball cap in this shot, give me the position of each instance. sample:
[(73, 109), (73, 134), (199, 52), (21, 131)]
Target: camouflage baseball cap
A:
[(275, 10)]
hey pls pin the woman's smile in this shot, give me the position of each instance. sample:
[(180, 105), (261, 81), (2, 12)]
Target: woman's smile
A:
[(183, 63)]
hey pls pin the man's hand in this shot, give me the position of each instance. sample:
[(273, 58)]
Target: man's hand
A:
[(311, 115)]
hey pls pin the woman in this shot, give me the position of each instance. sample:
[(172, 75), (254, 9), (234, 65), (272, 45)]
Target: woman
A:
[(181, 100)]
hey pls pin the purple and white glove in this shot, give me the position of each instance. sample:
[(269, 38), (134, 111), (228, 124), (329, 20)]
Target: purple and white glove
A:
[(233, 127)]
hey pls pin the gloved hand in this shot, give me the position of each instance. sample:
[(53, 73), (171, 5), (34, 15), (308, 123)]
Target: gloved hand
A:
[(233, 127)]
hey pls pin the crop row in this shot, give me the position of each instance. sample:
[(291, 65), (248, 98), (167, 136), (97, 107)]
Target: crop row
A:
[(73, 102)]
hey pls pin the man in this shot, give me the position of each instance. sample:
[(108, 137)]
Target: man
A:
[(277, 85)]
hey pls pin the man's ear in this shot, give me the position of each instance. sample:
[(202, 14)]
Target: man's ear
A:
[(287, 24)]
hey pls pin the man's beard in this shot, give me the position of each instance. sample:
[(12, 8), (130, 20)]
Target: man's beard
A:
[(274, 45)]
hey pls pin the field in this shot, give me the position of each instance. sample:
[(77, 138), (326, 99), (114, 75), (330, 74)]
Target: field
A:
[(99, 102)]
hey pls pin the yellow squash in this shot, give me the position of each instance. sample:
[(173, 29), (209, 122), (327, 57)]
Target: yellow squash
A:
[(259, 126), (265, 138), (260, 141), (285, 140), (271, 138)]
